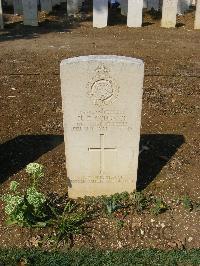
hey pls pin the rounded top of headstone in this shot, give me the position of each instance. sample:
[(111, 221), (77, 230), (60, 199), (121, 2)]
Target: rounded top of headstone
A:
[(114, 58)]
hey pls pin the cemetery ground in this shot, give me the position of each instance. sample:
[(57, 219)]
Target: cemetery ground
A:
[(31, 130)]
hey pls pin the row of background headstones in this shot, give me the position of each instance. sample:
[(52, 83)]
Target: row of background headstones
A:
[(133, 10), (130, 8)]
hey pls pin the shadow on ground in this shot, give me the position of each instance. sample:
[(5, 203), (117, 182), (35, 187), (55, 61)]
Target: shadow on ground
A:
[(15, 154), (156, 151)]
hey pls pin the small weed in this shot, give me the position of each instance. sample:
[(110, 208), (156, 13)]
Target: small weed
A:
[(119, 223), (196, 206), (111, 205), (69, 223), (159, 206), (187, 203), (139, 201)]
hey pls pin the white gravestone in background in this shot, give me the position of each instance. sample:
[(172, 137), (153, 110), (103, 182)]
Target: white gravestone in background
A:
[(46, 5), (124, 7), (18, 8), (102, 101), (134, 18), (30, 12), (100, 13), (72, 7), (1, 16), (169, 11), (197, 16)]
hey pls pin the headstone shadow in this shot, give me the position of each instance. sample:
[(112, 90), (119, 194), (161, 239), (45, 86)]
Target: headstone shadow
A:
[(147, 23), (155, 152), (179, 25), (15, 154)]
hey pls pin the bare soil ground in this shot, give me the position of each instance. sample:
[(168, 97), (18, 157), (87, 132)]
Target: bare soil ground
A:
[(31, 119)]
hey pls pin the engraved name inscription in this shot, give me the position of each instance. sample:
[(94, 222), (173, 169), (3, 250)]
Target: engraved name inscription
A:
[(97, 120)]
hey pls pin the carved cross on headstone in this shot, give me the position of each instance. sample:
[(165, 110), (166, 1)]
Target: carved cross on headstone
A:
[(102, 150)]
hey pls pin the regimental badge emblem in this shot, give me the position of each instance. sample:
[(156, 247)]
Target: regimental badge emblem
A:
[(102, 89)]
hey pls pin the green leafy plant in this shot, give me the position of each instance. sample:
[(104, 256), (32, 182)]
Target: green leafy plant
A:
[(120, 223), (187, 203), (190, 204), (118, 201), (69, 223), (29, 208), (114, 202), (36, 172), (111, 205), (159, 206), (139, 201)]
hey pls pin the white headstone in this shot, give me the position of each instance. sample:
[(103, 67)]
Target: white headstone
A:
[(197, 16), (100, 13), (1, 16), (134, 18), (46, 5), (169, 11), (18, 8), (30, 12), (124, 7), (102, 101), (72, 7)]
